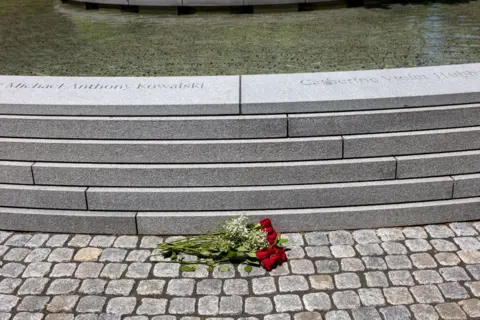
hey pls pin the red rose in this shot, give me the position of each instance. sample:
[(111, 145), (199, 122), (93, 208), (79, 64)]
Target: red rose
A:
[(266, 223), (264, 253), (268, 229), (268, 264), (272, 237), (279, 255)]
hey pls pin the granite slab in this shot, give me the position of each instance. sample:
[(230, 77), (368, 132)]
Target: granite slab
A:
[(223, 174), (44, 197), (119, 95), (438, 164), (301, 220), (411, 142), (361, 90), (393, 120), (67, 221), (171, 151), (467, 185), (16, 172), (269, 197), (160, 128)]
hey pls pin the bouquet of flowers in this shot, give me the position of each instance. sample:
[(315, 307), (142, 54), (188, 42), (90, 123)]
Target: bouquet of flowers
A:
[(237, 242)]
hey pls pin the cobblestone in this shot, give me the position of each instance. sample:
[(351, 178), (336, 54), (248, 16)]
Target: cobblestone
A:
[(292, 283), (258, 305), (430, 272)]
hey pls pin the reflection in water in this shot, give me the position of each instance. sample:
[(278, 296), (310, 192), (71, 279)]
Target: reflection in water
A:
[(44, 37)]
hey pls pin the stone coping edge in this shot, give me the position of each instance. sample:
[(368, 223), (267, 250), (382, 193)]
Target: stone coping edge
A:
[(246, 94), (174, 223)]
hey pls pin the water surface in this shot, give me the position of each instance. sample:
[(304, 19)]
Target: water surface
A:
[(45, 37)]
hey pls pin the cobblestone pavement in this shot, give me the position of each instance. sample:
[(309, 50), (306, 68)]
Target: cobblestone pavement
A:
[(429, 272)]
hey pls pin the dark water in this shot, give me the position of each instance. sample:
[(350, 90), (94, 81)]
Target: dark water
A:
[(44, 37)]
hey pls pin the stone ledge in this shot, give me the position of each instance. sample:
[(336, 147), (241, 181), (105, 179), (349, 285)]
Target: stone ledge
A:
[(20, 219), (361, 90), (377, 216), (223, 174), (271, 197), (119, 95), (261, 94)]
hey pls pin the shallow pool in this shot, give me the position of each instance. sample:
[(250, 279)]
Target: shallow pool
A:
[(45, 37)]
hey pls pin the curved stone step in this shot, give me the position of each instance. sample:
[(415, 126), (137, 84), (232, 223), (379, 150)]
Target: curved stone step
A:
[(467, 185), (68, 221), (288, 220), (272, 197), (438, 164), (411, 142), (28, 196), (173, 151), (359, 122), (16, 172), (132, 128), (224, 174), (300, 220)]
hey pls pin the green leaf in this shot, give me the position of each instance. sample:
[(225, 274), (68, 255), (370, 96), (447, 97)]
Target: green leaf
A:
[(252, 254), (248, 268), (283, 241), (210, 269), (231, 254), (254, 262), (205, 253), (224, 268), (242, 249), (188, 268)]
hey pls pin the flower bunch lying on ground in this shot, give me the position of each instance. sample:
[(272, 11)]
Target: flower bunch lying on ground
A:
[(237, 242)]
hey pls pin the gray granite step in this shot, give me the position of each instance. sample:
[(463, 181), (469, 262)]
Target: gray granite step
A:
[(16, 172), (175, 151), (406, 119), (411, 142), (161, 128), (50, 197), (271, 197), (438, 164), (224, 174)]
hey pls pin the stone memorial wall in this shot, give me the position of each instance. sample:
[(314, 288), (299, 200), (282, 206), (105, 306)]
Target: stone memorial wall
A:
[(175, 155)]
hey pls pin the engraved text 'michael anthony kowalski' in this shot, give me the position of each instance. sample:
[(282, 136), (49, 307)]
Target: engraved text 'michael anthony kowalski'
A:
[(98, 86)]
